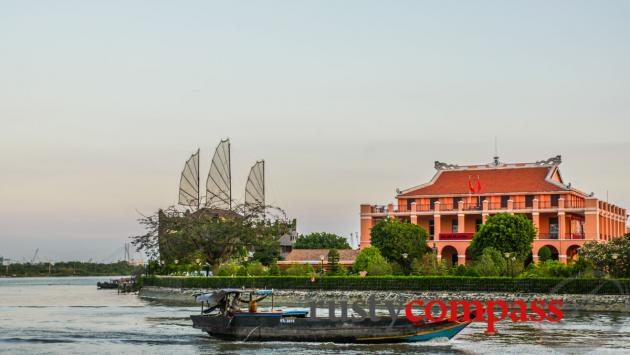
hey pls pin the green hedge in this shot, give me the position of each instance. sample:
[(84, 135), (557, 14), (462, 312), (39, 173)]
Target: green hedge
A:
[(402, 283)]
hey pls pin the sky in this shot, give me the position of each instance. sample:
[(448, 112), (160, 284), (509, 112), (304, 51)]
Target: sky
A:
[(102, 102)]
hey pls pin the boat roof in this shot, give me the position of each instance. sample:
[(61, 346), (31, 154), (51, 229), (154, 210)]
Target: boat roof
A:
[(216, 295)]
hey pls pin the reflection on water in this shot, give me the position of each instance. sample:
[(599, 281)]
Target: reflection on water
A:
[(68, 315)]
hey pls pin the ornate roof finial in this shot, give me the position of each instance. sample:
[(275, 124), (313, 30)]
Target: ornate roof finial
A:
[(444, 166), (551, 161)]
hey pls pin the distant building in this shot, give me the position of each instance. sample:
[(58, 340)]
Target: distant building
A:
[(286, 243), (458, 199), (317, 257)]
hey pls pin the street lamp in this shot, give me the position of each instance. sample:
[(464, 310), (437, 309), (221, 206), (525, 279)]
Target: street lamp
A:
[(321, 258), (510, 259)]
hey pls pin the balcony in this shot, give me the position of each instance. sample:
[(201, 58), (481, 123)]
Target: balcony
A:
[(574, 204), (456, 236), (472, 207), (555, 236)]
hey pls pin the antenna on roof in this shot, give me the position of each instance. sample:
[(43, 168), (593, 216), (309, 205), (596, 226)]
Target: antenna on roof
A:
[(496, 152)]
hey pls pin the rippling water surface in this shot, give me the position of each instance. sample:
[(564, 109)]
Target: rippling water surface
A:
[(69, 315)]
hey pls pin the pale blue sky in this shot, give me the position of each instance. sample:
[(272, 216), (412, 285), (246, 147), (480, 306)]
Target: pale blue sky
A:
[(102, 102)]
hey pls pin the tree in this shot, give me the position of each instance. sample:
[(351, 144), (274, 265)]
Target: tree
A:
[(506, 233), (544, 254), (612, 258), (398, 241), (367, 257), (256, 268), (379, 268), (274, 270), (491, 263), (429, 265), (214, 236), (321, 240), (333, 260)]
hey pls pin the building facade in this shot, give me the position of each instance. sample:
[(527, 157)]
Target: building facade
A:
[(458, 199)]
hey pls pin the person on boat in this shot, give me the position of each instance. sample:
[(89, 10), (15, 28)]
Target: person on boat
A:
[(253, 307)]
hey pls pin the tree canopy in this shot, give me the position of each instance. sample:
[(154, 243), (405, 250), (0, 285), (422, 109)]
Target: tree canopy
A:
[(210, 237), (612, 257), (506, 233), (321, 240), (398, 241), (366, 257)]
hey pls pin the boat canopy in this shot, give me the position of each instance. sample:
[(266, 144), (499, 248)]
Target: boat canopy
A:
[(213, 298)]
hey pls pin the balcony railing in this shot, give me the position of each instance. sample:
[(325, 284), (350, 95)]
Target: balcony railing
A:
[(472, 207), (449, 207), (495, 206), (520, 206), (574, 204), (557, 236), (424, 207), (456, 236)]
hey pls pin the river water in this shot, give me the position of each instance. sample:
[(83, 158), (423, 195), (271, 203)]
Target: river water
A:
[(69, 315)]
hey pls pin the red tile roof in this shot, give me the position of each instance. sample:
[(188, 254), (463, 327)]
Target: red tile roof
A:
[(497, 180), (347, 255)]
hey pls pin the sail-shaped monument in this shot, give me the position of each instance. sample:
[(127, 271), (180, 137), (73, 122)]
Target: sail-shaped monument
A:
[(219, 183), (255, 186), (189, 182)]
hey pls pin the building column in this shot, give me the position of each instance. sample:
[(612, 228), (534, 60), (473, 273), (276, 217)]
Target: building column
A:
[(536, 222), (390, 210), (366, 226), (510, 206), (461, 223), (436, 227), (484, 207), (562, 226)]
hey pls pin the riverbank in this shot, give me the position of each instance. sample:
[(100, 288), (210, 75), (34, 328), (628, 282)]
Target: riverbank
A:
[(303, 298)]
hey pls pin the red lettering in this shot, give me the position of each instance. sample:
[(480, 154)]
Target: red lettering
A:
[(522, 311), (490, 312), (443, 311), (479, 311), (556, 311), (538, 310), (409, 311)]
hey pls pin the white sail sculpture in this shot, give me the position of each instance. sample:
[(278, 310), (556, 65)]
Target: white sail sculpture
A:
[(255, 186), (189, 182), (219, 183)]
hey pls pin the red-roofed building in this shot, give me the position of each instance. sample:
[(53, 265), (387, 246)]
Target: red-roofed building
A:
[(458, 199)]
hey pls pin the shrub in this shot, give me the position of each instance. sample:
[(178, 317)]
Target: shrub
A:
[(366, 257), (333, 259), (429, 265), (274, 269), (296, 270), (462, 270), (544, 254), (396, 268), (379, 268), (491, 263), (256, 268), (242, 271), (227, 269)]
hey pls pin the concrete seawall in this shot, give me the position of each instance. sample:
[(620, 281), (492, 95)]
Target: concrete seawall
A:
[(300, 298)]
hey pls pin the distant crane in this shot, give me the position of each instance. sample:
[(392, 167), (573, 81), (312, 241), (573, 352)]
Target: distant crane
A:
[(35, 256)]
